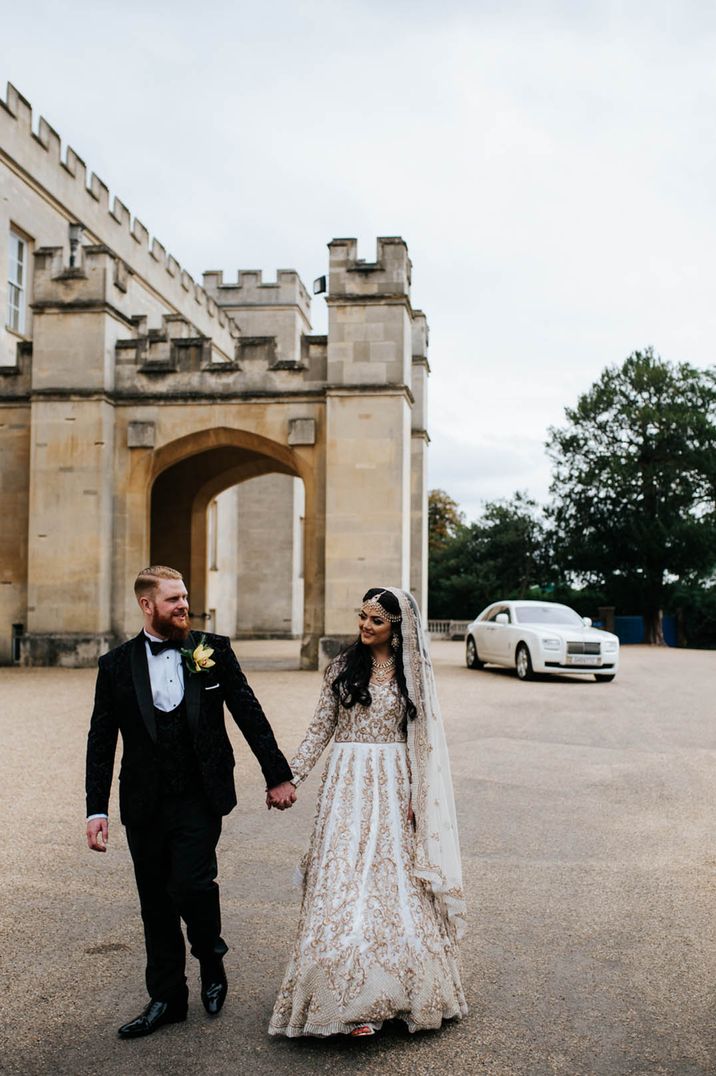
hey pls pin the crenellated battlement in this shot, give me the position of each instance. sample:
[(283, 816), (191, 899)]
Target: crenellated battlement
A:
[(98, 277), (388, 275), (250, 289), (65, 180)]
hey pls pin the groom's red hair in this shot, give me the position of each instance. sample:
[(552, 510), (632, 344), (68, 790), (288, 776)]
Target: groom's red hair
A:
[(148, 579)]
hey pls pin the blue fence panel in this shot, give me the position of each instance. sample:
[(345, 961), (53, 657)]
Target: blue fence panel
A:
[(630, 630)]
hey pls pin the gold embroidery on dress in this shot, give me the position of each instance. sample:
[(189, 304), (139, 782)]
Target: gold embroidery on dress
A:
[(369, 945)]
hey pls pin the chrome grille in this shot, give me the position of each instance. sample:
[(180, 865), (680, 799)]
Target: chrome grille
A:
[(584, 648)]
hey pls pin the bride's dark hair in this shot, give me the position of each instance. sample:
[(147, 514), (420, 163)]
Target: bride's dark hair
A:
[(353, 665)]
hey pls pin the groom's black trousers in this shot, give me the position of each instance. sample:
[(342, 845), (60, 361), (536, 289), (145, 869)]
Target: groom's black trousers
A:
[(174, 857)]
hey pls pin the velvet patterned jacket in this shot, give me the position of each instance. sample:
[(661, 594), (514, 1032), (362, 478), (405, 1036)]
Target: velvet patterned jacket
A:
[(123, 704)]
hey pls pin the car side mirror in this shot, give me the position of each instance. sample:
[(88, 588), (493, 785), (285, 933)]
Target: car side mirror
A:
[(587, 621), (502, 618)]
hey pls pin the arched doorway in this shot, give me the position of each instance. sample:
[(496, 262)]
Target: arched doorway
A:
[(188, 475)]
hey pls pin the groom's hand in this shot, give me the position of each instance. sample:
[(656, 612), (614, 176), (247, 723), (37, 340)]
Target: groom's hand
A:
[(97, 834), (281, 797)]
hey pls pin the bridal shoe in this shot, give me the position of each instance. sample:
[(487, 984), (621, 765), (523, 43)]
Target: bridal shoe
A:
[(363, 1030)]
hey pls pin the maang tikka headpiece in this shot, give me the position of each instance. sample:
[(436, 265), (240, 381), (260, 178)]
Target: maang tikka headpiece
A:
[(372, 607)]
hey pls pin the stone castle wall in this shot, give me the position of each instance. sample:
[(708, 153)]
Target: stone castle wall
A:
[(135, 400)]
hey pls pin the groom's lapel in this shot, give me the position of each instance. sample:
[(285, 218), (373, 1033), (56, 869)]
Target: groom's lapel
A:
[(192, 690), (142, 684)]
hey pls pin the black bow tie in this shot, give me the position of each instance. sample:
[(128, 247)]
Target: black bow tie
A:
[(165, 644)]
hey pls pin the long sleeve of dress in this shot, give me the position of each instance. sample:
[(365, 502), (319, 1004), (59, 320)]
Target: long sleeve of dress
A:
[(317, 735)]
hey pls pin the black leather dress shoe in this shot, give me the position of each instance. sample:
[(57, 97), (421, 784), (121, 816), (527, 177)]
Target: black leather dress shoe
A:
[(214, 986), (156, 1014)]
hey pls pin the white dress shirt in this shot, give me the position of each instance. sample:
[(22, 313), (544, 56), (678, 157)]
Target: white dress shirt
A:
[(166, 676)]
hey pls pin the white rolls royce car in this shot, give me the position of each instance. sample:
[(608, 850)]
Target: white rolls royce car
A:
[(540, 637)]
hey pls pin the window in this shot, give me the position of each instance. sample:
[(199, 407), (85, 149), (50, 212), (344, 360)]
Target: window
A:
[(17, 283), (548, 614)]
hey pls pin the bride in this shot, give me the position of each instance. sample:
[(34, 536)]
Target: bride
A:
[(383, 905)]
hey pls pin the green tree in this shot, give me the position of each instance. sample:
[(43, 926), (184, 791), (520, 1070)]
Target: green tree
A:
[(634, 481), (445, 519), (499, 556), (695, 608)]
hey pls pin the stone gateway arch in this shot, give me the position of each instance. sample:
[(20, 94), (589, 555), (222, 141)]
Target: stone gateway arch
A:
[(135, 404)]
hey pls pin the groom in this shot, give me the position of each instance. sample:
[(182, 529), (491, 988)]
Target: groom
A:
[(166, 696)]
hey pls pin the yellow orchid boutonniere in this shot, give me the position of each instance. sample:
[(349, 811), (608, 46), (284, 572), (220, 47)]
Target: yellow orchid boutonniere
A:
[(199, 659)]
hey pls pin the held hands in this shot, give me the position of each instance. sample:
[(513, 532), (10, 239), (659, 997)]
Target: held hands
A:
[(281, 797), (98, 834)]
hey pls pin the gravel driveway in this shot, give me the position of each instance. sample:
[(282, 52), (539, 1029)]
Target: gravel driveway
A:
[(587, 814)]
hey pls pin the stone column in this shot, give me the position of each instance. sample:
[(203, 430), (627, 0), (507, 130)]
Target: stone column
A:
[(368, 416), (313, 554), (222, 530), (14, 498), (269, 579), (71, 459), (419, 465)]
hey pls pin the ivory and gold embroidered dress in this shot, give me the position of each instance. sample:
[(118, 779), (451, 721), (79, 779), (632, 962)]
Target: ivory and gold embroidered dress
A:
[(373, 942)]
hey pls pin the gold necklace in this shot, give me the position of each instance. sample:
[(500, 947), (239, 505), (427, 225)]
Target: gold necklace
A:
[(383, 670)]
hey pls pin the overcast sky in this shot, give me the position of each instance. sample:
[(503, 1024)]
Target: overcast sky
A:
[(552, 167)]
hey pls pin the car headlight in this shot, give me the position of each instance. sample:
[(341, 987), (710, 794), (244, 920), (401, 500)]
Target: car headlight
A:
[(551, 644), (611, 645)]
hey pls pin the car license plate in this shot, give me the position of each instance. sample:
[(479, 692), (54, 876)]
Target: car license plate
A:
[(583, 659)]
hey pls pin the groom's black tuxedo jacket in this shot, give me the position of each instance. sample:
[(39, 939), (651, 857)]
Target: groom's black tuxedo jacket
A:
[(123, 703)]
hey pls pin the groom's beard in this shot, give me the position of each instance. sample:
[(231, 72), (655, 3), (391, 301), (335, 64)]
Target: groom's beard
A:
[(173, 627)]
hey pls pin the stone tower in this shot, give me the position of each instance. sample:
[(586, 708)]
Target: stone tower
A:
[(375, 476)]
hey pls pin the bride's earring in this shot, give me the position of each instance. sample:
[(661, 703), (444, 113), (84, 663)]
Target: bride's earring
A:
[(395, 642)]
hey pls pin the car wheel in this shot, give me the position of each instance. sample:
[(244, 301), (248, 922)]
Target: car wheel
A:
[(604, 678), (472, 658), (523, 662)]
